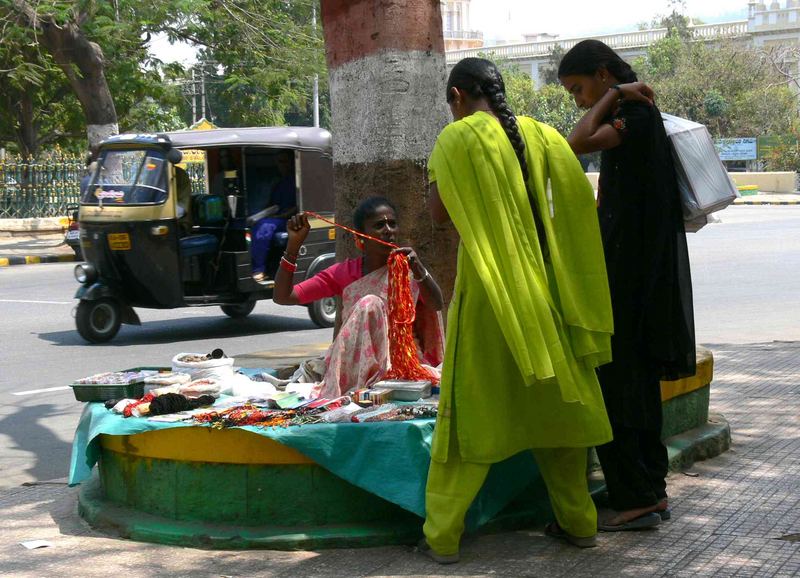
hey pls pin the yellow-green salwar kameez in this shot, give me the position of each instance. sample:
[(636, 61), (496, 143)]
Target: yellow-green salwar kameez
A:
[(525, 333)]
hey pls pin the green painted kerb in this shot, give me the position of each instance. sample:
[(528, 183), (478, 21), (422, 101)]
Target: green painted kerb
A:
[(685, 412), (242, 494)]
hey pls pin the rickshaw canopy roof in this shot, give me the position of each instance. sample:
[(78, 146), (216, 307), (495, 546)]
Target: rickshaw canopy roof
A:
[(284, 137)]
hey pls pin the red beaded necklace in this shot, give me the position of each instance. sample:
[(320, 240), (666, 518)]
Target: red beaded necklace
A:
[(402, 313)]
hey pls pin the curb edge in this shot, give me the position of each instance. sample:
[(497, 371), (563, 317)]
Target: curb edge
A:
[(10, 260)]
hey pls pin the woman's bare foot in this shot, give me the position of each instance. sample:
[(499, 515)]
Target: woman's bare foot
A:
[(663, 509), (620, 518)]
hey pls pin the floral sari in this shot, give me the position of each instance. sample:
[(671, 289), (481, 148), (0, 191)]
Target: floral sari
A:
[(359, 356)]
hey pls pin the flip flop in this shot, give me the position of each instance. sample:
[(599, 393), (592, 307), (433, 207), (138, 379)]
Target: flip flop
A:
[(665, 514), (641, 523), (555, 531)]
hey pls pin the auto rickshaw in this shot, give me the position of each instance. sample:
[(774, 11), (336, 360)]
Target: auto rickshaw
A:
[(153, 237)]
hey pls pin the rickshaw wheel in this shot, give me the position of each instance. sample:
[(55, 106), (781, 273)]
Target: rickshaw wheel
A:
[(239, 310), (323, 312), (98, 321)]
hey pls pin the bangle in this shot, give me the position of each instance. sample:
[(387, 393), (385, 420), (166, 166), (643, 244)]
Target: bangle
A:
[(421, 279), (287, 265), (291, 258), (617, 88)]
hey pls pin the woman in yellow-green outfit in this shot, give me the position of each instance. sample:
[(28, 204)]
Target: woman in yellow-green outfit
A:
[(531, 315)]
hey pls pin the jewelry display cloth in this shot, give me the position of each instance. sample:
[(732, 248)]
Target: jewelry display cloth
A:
[(388, 459)]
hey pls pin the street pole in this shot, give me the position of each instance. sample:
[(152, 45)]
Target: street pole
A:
[(316, 76), (387, 78), (203, 92), (194, 99)]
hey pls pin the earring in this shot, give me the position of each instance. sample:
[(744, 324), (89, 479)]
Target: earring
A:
[(359, 244)]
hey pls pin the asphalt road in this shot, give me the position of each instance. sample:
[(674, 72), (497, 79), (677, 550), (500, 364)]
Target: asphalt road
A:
[(746, 281), (40, 349)]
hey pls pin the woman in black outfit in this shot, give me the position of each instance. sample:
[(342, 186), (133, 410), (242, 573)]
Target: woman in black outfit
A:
[(648, 272)]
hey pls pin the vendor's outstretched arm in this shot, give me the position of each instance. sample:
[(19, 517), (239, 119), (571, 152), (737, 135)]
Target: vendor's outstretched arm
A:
[(283, 292)]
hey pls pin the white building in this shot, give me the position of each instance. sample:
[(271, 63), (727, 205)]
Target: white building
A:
[(767, 26), (456, 27)]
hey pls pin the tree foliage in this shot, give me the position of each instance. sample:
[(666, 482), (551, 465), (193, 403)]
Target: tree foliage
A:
[(550, 104), (259, 58), (732, 88)]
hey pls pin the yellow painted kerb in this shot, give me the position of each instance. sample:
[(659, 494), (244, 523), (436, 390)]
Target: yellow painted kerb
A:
[(202, 444), (703, 376)]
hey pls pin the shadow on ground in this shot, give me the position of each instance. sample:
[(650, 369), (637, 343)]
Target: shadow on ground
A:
[(188, 329)]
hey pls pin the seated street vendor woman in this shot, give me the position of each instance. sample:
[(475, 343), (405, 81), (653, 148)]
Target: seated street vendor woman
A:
[(359, 354)]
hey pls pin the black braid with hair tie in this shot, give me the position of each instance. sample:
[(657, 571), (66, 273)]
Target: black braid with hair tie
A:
[(495, 93)]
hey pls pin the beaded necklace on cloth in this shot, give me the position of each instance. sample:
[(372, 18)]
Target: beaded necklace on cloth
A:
[(402, 313)]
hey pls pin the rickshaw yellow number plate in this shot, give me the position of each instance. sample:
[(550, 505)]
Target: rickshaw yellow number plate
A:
[(119, 241)]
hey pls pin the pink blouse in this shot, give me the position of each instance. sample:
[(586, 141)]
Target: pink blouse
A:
[(329, 282)]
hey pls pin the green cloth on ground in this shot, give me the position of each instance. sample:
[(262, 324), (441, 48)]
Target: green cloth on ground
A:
[(524, 335), (388, 459)]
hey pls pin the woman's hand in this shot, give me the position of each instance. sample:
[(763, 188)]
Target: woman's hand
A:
[(637, 91), (429, 290), (414, 263), (298, 228)]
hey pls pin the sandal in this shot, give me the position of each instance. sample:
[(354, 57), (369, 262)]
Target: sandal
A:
[(424, 547), (665, 512), (643, 522), (259, 277), (555, 531)]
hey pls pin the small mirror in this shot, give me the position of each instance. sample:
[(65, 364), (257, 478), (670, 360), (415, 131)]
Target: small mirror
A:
[(174, 156)]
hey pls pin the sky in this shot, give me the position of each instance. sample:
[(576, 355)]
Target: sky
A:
[(509, 19)]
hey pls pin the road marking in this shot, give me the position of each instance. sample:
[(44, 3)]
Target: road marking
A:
[(46, 390), (36, 302)]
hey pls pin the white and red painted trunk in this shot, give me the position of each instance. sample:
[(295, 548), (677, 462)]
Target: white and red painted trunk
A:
[(387, 72)]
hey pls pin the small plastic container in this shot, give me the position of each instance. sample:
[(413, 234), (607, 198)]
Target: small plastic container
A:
[(406, 390), (106, 391)]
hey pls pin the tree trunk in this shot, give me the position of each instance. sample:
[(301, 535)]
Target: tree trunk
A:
[(387, 72), (26, 131), (84, 66)]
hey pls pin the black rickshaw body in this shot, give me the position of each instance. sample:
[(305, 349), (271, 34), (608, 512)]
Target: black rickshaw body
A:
[(167, 221)]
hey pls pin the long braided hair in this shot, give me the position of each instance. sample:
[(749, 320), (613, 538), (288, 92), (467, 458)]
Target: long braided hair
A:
[(480, 78)]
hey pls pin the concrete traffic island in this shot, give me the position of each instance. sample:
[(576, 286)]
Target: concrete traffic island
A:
[(233, 489)]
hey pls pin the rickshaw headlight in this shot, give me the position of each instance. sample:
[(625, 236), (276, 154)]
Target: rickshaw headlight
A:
[(85, 273)]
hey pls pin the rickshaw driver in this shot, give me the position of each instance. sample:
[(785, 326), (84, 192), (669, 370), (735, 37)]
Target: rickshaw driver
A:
[(283, 204), (226, 164)]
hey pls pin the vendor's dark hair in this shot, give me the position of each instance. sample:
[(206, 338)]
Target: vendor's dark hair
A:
[(588, 56), (368, 207), (479, 78)]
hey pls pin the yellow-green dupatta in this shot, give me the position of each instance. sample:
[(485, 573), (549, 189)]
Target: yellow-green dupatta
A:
[(537, 304)]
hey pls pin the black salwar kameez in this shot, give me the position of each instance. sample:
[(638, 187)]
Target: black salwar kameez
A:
[(651, 292)]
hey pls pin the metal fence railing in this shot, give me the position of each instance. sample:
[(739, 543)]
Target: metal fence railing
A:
[(32, 188)]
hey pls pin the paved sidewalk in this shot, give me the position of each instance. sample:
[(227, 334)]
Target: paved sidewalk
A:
[(738, 514)]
